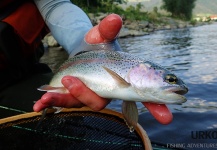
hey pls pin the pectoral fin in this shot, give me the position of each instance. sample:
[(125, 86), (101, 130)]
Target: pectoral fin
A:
[(130, 113), (121, 82)]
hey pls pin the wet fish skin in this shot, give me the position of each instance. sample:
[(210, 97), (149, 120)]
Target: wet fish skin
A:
[(119, 75)]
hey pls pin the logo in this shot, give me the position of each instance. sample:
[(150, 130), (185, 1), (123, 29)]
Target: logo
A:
[(204, 134)]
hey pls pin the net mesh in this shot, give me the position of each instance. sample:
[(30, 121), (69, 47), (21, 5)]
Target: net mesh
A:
[(86, 130)]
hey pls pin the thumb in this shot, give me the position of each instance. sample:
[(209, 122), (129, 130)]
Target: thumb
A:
[(106, 31), (110, 26)]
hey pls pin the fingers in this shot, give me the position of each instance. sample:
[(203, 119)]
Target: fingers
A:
[(84, 94), (93, 36), (110, 26), (58, 100), (160, 112), (39, 105), (106, 31), (79, 96)]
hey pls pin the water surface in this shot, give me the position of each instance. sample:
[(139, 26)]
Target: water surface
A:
[(192, 55)]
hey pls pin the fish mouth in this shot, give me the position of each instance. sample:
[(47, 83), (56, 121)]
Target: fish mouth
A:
[(174, 94), (180, 90)]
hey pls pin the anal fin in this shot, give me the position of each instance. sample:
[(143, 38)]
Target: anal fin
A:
[(130, 113)]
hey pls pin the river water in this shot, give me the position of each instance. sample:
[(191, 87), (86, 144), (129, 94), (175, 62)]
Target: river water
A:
[(191, 54)]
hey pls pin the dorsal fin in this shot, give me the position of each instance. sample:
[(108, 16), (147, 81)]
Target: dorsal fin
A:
[(121, 82)]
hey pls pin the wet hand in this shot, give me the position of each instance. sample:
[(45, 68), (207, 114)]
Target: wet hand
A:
[(160, 112), (79, 95), (106, 31)]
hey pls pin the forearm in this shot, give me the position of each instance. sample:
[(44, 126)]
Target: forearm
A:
[(67, 22)]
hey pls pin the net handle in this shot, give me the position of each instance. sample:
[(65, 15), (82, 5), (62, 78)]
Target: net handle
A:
[(142, 133)]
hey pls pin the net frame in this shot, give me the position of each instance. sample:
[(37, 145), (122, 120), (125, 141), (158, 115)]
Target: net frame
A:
[(139, 130)]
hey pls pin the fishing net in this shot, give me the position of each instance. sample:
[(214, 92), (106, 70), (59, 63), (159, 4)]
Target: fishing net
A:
[(71, 129)]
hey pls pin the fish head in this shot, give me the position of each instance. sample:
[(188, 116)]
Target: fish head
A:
[(156, 84)]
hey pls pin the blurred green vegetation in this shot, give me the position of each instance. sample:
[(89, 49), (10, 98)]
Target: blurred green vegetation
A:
[(112, 6), (96, 6), (180, 9)]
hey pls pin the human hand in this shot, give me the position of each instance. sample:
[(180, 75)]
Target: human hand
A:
[(80, 95)]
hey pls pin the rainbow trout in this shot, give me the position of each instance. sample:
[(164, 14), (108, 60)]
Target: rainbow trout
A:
[(119, 75)]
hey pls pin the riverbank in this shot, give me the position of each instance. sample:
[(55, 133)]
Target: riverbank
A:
[(139, 28), (136, 28)]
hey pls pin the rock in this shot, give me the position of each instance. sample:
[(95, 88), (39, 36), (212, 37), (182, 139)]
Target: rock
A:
[(143, 24), (159, 27), (167, 27), (171, 22), (46, 37), (52, 42), (181, 25), (173, 26), (100, 16), (151, 30), (189, 26), (133, 26), (145, 29), (127, 22), (151, 25), (137, 33), (125, 32)]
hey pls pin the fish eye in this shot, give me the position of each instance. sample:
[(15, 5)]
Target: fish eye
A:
[(171, 79)]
